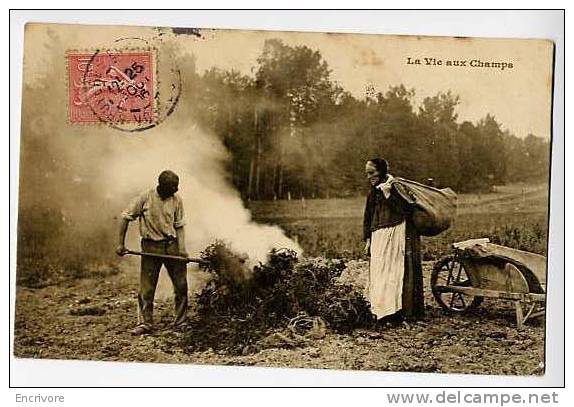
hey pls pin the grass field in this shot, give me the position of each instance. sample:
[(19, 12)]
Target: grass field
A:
[(514, 216)]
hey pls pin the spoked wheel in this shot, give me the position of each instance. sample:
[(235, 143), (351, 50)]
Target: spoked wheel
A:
[(449, 271)]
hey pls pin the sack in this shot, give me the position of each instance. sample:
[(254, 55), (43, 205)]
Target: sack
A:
[(433, 209)]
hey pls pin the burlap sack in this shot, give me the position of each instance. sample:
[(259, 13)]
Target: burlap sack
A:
[(434, 209)]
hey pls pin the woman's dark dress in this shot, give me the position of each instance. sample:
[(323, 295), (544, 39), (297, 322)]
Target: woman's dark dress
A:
[(382, 212)]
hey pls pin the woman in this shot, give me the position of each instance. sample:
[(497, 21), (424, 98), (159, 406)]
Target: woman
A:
[(395, 288)]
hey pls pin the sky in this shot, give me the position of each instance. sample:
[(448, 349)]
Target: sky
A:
[(518, 97)]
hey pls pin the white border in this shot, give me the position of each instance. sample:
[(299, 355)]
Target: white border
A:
[(503, 24)]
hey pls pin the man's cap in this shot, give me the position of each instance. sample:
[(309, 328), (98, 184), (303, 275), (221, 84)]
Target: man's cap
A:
[(168, 177)]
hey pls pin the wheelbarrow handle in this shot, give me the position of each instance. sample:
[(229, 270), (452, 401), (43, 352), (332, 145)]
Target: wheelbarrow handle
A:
[(168, 256)]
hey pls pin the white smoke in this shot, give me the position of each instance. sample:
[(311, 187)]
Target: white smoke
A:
[(213, 208), (90, 172)]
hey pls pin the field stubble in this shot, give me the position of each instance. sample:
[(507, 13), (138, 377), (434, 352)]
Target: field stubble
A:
[(514, 216), (89, 318)]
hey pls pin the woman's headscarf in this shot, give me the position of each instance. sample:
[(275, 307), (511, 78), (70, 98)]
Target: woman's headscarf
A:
[(382, 167)]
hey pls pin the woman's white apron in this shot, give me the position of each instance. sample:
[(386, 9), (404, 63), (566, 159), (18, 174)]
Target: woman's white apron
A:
[(386, 270)]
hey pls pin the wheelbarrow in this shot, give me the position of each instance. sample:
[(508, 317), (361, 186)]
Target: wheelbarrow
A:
[(478, 269)]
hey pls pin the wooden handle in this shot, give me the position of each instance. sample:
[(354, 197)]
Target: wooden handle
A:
[(168, 256)]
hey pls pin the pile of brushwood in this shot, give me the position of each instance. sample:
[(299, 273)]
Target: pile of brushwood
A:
[(241, 306)]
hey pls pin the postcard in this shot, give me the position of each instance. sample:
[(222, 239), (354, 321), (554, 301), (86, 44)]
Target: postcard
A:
[(284, 199)]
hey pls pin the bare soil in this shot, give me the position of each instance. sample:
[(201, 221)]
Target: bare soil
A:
[(89, 319)]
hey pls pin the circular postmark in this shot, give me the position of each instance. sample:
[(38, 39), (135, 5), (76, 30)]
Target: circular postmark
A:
[(132, 86), (118, 87)]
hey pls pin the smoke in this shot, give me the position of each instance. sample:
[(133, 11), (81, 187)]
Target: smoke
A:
[(76, 180), (213, 208)]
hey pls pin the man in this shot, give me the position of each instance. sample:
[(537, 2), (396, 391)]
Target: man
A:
[(161, 224)]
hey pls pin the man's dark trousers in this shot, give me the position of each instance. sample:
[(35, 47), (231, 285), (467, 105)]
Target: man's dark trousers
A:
[(150, 268)]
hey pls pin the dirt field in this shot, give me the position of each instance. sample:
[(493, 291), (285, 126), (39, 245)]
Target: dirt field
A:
[(486, 342), (89, 318)]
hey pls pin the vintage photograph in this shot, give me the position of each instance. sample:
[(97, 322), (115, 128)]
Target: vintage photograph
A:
[(284, 199)]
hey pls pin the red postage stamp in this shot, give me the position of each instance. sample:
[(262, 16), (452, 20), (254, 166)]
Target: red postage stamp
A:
[(112, 87)]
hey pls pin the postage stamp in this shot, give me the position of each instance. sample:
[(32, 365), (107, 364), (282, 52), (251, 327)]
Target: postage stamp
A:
[(111, 87)]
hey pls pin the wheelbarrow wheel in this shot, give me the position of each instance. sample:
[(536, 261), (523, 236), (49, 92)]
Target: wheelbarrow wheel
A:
[(449, 271)]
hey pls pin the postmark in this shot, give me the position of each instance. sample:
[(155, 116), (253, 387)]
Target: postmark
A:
[(114, 87), (132, 84)]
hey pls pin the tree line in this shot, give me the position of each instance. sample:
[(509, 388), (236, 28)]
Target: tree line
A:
[(293, 132)]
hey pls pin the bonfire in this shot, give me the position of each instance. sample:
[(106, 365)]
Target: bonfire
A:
[(284, 302)]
